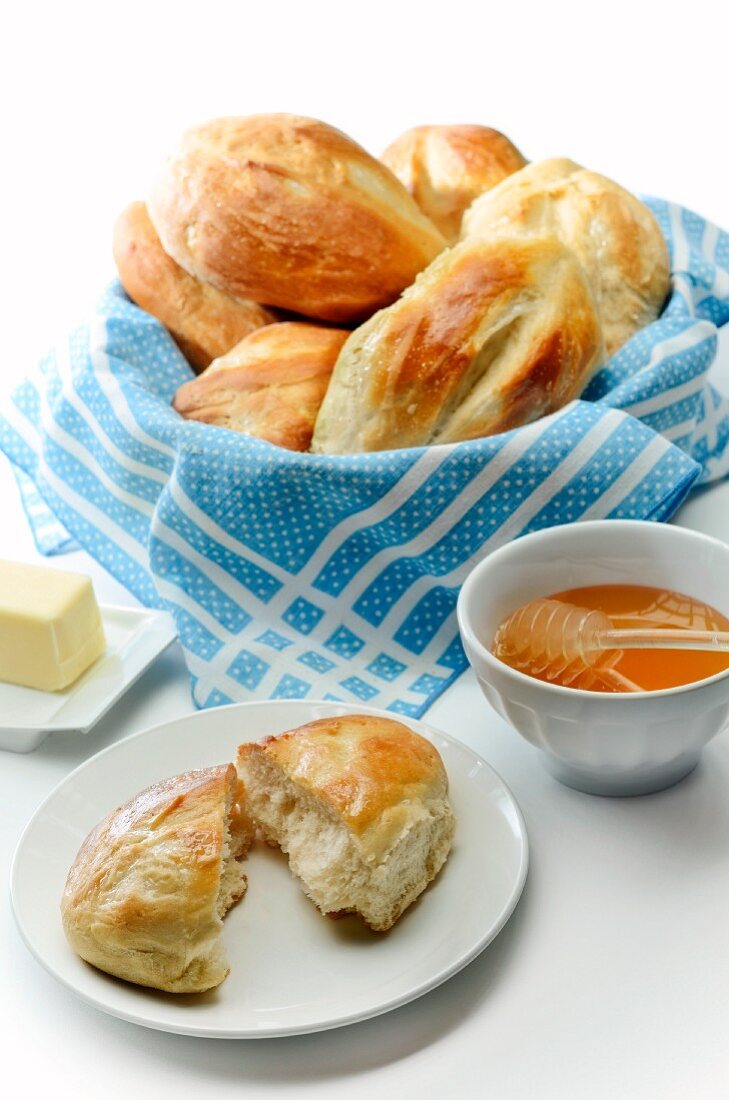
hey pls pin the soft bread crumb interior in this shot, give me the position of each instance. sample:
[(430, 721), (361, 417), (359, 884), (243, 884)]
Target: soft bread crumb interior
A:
[(209, 964), (237, 837), (328, 858)]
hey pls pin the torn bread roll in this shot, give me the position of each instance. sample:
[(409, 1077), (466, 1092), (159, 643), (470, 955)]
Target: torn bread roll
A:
[(613, 234), (270, 385), (359, 804), (203, 321), (145, 897), (491, 336), (446, 167), (290, 212)]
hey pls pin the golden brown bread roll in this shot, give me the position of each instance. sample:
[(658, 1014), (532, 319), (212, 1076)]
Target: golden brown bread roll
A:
[(203, 321), (145, 896), (290, 212), (445, 167), (491, 336), (359, 804), (615, 236), (270, 385)]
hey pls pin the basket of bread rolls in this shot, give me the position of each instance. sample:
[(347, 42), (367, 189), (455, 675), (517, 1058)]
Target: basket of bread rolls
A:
[(450, 291), (328, 382)]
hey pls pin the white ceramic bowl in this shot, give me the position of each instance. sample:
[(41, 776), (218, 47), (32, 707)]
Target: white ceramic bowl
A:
[(620, 744)]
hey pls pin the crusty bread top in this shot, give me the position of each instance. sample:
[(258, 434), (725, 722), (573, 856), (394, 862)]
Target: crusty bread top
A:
[(290, 212), (614, 235), (492, 335), (270, 385), (205, 322), (446, 167), (141, 899), (375, 773)]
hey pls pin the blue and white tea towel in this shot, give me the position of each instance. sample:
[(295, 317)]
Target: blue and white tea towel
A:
[(295, 575)]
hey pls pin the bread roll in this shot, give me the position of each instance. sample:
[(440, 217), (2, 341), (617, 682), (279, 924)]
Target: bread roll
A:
[(614, 235), (204, 322), (445, 167), (290, 212), (270, 385), (360, 806), (491, 336), (145, 896)]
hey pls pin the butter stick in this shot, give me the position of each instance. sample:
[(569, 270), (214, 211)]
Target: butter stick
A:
[(50, 626)]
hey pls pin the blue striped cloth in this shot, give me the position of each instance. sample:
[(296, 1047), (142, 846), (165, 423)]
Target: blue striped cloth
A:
[(295, 575)]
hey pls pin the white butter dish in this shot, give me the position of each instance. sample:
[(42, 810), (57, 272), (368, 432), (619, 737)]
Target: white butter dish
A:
[(134, 638)]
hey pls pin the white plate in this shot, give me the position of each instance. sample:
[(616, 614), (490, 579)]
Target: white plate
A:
[(292, 970), (134, 638)]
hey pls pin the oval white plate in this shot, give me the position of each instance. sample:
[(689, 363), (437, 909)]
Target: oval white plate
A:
[(292, 970)]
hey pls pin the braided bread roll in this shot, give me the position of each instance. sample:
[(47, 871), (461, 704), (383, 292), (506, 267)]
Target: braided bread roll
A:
[(290, 212), (492, 335), (270, 385), (446, 167), (613, 234), (203, 321)]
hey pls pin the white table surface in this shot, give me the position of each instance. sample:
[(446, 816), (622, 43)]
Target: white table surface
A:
[(610, 980)]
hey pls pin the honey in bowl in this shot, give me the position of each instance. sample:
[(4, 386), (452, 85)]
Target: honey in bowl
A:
[(634, 607)]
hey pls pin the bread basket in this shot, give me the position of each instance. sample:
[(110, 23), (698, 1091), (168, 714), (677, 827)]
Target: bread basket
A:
[(336, 577)]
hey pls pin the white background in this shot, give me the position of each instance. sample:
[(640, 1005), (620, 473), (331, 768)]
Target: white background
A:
[(611, 981)]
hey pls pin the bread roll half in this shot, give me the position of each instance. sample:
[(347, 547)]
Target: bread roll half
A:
[(445, 167), (203, 321), (492, 335), (360, 806), (613, 234), (290, 212), (145, 897), (270, 385)]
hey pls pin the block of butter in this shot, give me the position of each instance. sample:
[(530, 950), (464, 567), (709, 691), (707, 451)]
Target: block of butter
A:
[(50, 626)]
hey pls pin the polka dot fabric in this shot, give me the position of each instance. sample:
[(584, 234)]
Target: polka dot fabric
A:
[(294, 576)]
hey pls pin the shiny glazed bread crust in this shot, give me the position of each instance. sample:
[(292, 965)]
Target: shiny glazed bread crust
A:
[(446, 167), (270, 385), (203, 321), (614, 235), (374, 773), (493, 335), (147, 890), (359, 804), (290, 212)]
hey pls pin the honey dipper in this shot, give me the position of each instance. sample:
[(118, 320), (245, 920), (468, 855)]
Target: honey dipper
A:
[(559, 641)]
